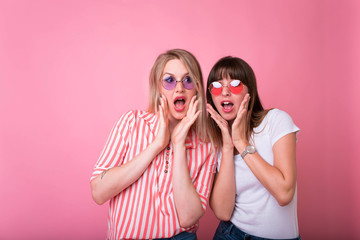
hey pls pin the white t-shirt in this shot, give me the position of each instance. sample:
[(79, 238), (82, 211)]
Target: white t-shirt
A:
[(256, 210)]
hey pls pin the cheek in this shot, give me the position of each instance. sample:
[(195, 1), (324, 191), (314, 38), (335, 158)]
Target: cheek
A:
[(216, 102), (245, 90), (166, 93), (194, 94), (190, 94), (162, 90), (168, 99), (238, 100)]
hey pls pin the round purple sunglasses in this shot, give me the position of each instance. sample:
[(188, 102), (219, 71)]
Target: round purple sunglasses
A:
[(169, 82)]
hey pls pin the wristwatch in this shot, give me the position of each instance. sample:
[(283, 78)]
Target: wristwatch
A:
[(249, 149)]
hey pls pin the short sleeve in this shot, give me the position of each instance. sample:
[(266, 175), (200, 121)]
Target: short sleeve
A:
[(116, 146), (280, 124), (204, 180), (218, 161)]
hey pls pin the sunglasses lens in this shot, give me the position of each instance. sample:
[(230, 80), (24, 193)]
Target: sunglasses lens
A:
[(215, 88), (169, 83), (188, 83), (236, 86)]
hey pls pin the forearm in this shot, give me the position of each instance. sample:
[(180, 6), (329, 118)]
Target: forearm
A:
[(271, 178), (222, 200), (187, 200), (280, 178), (113, 181)]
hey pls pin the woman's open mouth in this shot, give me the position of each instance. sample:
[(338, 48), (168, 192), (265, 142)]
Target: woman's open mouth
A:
[(179, 104), (227, 106)]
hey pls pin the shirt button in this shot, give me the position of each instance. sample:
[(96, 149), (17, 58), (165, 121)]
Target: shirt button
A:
[(168, 148), (165, 171)]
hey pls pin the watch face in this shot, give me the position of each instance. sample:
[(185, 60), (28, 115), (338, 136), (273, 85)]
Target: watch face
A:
[(250, 149)]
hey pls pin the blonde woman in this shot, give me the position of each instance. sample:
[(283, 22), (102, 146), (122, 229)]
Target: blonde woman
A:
[(157, 166)]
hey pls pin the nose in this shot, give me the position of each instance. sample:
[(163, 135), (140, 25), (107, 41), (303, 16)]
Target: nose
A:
[(225, 91), (179, 86)]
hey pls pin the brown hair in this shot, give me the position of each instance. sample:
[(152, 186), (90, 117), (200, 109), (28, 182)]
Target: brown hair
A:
[(195, 73), (236, 68)]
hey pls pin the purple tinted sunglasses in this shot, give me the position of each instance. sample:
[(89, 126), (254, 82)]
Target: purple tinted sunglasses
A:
[(169, 82)]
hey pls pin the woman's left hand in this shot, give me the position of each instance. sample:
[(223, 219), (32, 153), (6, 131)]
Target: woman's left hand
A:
[(238, 131), (182, 128)]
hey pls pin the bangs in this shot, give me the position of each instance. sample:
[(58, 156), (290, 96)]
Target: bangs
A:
[(228, 69)]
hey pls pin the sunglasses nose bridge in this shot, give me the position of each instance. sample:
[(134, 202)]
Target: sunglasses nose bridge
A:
[(179, 84), (225, 90)]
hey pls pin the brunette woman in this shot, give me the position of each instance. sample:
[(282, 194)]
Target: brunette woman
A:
[(254, 193)]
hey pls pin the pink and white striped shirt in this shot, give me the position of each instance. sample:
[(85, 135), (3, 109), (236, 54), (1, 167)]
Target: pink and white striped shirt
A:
[(146, 209)]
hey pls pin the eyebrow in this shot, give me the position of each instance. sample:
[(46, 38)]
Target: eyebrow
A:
[(171, 74)]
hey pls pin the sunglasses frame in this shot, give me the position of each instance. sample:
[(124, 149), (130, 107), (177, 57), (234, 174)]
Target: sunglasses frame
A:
[(182, 82), (231, 88)]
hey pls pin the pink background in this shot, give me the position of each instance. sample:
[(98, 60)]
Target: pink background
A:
[(69, 69)]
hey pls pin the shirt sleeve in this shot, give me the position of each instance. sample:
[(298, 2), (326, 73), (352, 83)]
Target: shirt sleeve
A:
[(218, 161), (204, 180), (280, 124), (116, 146)]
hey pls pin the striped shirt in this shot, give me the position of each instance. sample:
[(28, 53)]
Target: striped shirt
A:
[(146, 209)]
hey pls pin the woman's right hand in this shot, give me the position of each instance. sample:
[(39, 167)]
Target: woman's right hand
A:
[(222, 200), (224, 127), (163, 135)]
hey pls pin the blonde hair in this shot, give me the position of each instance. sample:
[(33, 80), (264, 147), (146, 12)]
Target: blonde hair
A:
[(195, 73)]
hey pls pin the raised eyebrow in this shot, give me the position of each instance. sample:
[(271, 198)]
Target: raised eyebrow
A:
[(171, 74), (186, 75)]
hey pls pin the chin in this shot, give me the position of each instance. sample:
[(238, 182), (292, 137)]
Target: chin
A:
[(179, 116), (228, 117)]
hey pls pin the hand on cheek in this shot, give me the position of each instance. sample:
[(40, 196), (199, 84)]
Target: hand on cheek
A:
[(163, 134), (223, 125), (239, 125), (182, 128)]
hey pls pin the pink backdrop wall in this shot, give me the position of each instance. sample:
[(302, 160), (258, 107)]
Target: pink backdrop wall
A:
[(69, 69)]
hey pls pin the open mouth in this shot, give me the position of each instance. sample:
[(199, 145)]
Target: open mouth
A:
[(227, 106), (179, 104)]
